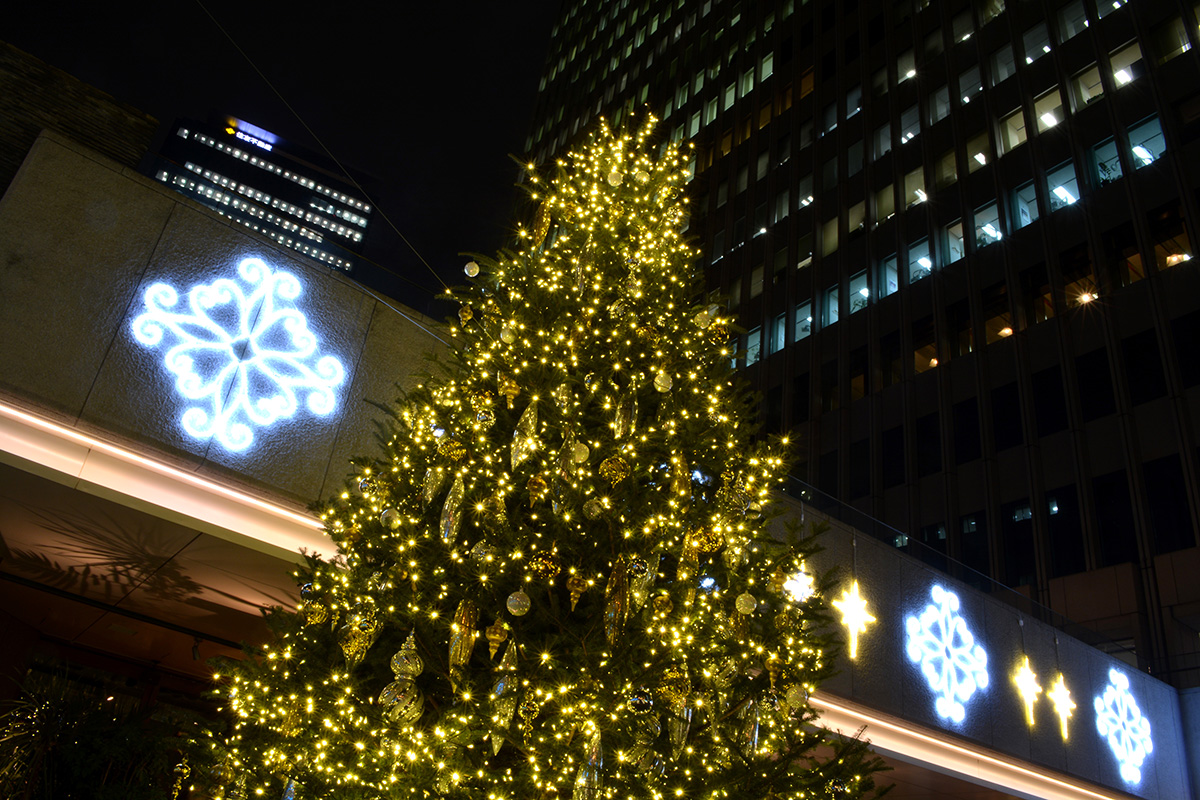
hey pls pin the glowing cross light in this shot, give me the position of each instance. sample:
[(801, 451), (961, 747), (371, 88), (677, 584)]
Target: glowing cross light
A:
[(1027, 687), (1060, 697), (854, 615)]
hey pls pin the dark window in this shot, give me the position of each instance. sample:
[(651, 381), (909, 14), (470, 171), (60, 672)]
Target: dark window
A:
[(1096, 397), (1186, 332), (966, 431), (1049, 402), (1036, 299), (934, 538), (827, 481), (1143, 366), (1066, 532), (929, 445), (1006, 416), (773, 410), (962, 339), (1114, 519), (829, 386), (924, 345), (858, 374), (1125, 265), (892, 457), (1166, 494), (1079, 287), (974, 544), (860, 469), (997, 318), (1016, 523), (889, 357), (800, 399)]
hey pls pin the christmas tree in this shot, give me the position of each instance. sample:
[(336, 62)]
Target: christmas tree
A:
[(582, 487)]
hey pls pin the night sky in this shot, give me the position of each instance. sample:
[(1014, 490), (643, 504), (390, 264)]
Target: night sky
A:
[(429, 99)]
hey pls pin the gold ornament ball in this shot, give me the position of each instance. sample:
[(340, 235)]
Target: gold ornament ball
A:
[(706, 539), (465, 314), (642, 177), (663, 605), (614, 469), (746, 603), (663, 381), (593, 508), (580, 453), (615, 178), (391, 519), (471, 269), (518, 603), (452, 449), (544, 566)]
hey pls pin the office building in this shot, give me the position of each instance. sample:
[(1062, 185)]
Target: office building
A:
[(958, 237), (269, 185)]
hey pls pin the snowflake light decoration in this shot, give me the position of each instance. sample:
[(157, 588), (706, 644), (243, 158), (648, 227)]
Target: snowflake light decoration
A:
[(244, 356), (1120, 720), (954, 666)]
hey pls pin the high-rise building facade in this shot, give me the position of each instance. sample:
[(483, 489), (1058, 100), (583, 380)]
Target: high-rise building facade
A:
[(267, 184), (958, 237)]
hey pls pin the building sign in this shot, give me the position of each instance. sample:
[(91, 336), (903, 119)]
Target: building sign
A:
[(241, 352)]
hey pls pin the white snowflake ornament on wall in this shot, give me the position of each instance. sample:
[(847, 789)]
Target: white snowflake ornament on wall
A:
[(954, 666), (244, 357), (1120, 720)]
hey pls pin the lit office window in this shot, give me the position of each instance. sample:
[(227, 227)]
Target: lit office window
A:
[(1048, 110), (1037, 42), (947, 171), (778, 333), (856, 217), (1169, 40), (989, 10), (997, 315), (829, 119), (766, 66), (730, 95), (830, 310), (710, 111), (1072, 20), (1012, 130), (955, 247), (804, 193), (1106, 162), (854, 100), (860, 295), (939, 104), (764, 162), (1106, 7), (1025, 208), (906, 66), (804, 251), (914, 188), (829, 236), (694, 125), (1062, 188), (781, 205), (1004, 65), (1086, 87), (979, 152), (969, 83), (920, 265), (881, 142), (804, 321), (987, 225), (1127, 64), (1171, 245), (924, 345), (753, 346), (962, 26), (1146, 142), (885, 204), (747, 82), (889, 277)]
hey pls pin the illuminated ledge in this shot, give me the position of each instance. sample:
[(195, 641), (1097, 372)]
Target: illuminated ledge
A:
[(83, 462), (914, 744)]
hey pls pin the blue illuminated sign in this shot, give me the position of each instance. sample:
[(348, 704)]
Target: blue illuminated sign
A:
[(1119, 719), (939, 641), (244, 356)]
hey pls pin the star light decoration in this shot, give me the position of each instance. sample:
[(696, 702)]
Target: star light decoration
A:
[(954, 666), (1120, 720), (1060, 697), (1027, 687), (854, 615), (244, 357)]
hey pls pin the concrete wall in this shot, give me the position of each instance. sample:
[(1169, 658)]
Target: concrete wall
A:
[(898, 588), (81, 240)]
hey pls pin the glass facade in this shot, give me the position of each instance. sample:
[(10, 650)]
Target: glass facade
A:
[(960, 186)]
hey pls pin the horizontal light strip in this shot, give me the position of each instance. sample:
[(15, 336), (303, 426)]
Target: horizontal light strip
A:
[(117, 473), (910, 743)]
